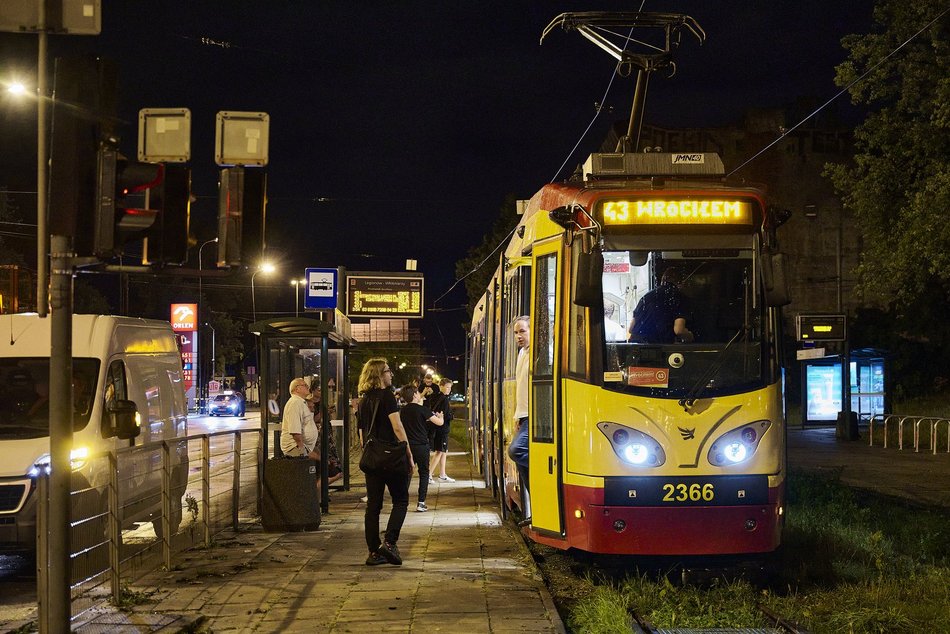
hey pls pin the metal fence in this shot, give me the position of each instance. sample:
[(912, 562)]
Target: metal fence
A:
[(923, 430), (141, 506)]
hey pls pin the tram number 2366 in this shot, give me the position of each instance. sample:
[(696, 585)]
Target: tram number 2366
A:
[(688, 492)]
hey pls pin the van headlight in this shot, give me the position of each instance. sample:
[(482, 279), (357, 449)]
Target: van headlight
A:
[(78, 457), (40, 466), (633, 446), (737, 445), (77, 460)]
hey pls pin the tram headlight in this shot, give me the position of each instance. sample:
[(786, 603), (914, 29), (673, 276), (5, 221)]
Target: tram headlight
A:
[(737, 445), (633, 446), (636, 453)]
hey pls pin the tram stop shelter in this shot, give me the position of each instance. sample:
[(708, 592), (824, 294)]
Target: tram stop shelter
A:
[(315, 350), (869, 390)]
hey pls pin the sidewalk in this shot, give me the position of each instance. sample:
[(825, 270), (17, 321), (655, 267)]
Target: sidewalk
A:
[(921, 477), (463, 571)]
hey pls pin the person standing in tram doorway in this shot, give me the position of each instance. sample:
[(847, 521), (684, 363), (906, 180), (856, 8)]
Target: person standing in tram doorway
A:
[(518, 449)]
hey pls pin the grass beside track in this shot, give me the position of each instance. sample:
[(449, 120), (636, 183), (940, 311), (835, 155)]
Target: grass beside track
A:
[(852, 562)]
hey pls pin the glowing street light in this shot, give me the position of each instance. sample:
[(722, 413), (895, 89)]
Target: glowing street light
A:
[(267, 268), (297, 284), (16, 88)]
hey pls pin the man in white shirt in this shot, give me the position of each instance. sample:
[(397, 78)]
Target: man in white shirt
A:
[(298, 432), (518, 449)]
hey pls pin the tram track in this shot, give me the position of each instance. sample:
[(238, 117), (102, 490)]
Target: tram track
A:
[(640, 625)]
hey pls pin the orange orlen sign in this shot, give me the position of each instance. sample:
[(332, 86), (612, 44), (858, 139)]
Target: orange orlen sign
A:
[(184, 317), (648, 377)]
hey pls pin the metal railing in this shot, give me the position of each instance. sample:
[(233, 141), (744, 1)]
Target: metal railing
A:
[(187, 489), (931, 425)]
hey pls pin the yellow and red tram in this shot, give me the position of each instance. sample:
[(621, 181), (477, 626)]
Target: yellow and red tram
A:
[(672, 447)]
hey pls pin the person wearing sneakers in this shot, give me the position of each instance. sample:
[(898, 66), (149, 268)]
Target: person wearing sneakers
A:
[(379, 415), (441, 404), (414, 417)]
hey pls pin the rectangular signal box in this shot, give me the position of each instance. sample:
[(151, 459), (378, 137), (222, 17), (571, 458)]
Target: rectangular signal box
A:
[(821, 327)]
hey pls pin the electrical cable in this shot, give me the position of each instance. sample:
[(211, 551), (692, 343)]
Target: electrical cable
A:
[(556, 174), (841, 92)]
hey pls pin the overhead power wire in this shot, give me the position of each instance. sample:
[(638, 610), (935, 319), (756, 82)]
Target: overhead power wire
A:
[(841, 92), (557, 173)]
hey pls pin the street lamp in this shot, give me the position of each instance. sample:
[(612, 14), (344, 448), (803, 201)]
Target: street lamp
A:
[(212, 348), (201, 378), (265, 267), (296, 284), (16, 88)]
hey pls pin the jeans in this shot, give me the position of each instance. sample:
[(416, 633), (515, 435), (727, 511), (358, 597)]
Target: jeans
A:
[(518, 451), (420, 453), (376, 484)]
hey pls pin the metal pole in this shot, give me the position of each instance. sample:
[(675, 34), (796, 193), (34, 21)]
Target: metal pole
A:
[(296, 284), (846, 354), (213, 367), (42, 169), (253, 299), (327, 429), (236, 481), (202, 382), (61, 432)]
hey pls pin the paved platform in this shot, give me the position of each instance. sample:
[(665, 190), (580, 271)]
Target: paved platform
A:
[(921, 477), (463, 571)]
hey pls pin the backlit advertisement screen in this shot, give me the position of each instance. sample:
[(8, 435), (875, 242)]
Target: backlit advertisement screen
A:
[(823, 392)]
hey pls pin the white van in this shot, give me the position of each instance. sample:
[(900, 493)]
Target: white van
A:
[(127, 390)]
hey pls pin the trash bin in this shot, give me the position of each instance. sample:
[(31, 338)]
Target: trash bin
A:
[(847, 429), (290, 495)]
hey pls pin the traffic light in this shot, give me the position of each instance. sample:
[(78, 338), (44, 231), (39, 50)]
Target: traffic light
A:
[(168, 239), (124, 210), (83, 114), (242, 211)]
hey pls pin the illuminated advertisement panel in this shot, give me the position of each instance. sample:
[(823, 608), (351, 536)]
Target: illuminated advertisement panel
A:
[(384, 296)]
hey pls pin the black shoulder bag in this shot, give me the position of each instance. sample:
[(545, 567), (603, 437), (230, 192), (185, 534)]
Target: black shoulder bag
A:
[(382, 456)]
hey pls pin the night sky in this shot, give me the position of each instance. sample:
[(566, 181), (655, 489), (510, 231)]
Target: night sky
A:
[(398, 128)]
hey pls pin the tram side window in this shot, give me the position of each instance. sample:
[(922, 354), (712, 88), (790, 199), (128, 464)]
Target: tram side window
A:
[(519, 303), (542, 351), (577, 332)]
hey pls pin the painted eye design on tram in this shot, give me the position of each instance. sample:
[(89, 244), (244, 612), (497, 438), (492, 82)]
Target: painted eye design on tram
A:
[(633, 446), (737, 445)]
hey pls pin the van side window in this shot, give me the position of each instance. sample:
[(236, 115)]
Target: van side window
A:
[(116, 386)]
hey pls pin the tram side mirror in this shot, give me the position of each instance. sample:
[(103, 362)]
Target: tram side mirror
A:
[(590, 267), (774, 279), (121, 420)]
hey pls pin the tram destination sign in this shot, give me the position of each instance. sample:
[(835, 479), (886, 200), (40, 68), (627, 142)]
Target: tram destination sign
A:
[(384, 295), (670, 211)]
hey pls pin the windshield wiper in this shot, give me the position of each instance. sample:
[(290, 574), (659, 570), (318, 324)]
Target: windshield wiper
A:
[(712, 369)]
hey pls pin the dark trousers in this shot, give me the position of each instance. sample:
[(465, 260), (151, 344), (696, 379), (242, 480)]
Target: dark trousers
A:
[(376, 485), (518, 451), (420, 453)]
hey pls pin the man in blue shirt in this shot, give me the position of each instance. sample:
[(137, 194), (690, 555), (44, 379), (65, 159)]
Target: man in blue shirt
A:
[(661, 316)]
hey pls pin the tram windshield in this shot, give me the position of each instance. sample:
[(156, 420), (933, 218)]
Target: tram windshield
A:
[(682, 322)]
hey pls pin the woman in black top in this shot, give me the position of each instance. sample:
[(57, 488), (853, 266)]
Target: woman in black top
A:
[(375, 381)]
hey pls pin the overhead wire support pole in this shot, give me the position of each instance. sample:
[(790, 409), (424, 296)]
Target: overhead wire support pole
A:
[(42, 167)]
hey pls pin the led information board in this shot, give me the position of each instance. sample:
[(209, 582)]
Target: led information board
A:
[(676, 212), (821, 327), (380, 295)]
